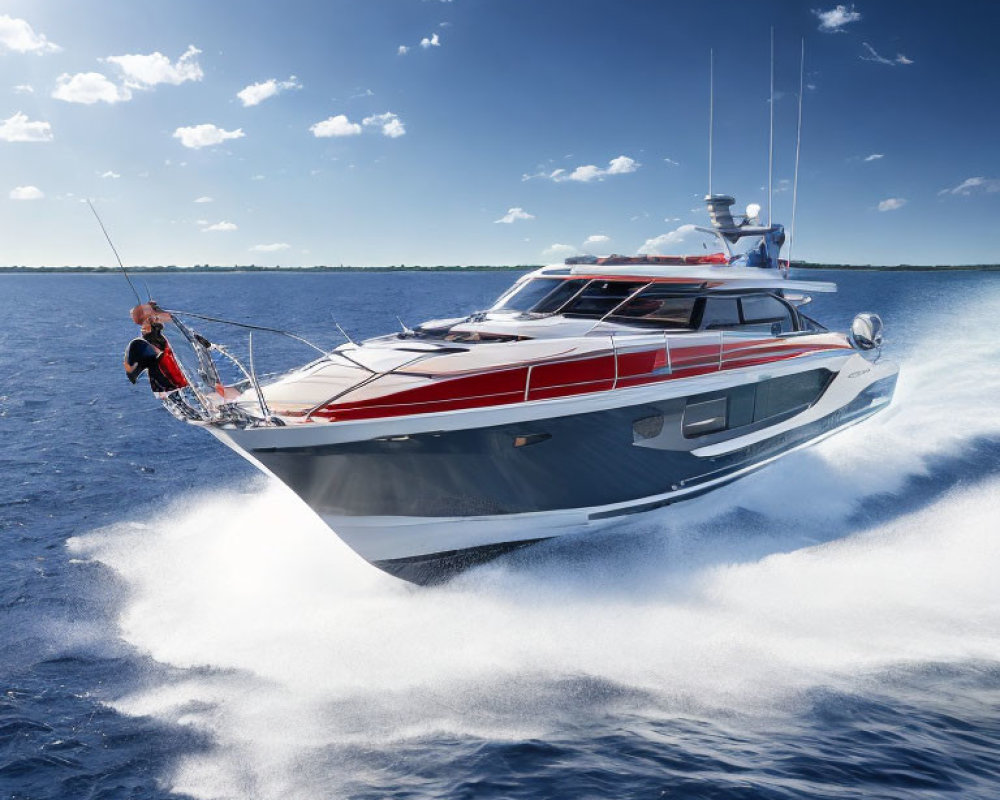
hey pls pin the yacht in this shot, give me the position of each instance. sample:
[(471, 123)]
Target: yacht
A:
[(590, 390)]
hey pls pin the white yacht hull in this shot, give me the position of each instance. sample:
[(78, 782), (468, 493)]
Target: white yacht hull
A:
[(424, 496)]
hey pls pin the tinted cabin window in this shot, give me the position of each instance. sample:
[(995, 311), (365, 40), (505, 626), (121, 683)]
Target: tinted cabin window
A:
[(720, 312), (557, 298), (600, 297), (656, 306), (766, 313)]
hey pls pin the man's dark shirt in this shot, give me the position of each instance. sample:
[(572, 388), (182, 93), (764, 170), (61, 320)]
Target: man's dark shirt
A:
[(147, 358)]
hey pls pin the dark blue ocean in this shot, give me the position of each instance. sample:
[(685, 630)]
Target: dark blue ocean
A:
[(173, 624)]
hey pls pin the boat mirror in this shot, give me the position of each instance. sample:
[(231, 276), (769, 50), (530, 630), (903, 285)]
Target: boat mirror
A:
[(866, 331), (753, 211)]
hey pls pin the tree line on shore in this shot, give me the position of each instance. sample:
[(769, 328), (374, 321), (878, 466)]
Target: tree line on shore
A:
[(462, 268)]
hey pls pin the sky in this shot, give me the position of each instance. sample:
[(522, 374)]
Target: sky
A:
[(427, 132)]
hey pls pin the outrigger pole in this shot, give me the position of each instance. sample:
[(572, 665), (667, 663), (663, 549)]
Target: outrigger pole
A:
[(770, 140), (711, 113), (798, 144), (104, 230)]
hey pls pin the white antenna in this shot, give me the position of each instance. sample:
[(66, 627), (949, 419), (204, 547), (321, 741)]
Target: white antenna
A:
[(798, 143), (711, 113), (770, 143)]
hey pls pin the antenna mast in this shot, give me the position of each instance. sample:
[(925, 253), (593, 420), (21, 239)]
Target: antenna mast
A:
[(798, 143), (770, 143), (711, 113)]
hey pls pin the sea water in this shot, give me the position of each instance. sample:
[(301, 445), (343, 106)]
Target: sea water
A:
[(173, 624)]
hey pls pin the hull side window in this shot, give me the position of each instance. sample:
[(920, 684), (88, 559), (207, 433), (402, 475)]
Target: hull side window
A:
[(790, 393), (754, 405), (647, 428), (707, 416)]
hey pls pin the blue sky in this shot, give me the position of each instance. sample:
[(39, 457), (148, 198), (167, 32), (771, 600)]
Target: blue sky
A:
[(489, 131)]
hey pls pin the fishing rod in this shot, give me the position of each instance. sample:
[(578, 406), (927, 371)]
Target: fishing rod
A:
[(246, 325), (115, 251)]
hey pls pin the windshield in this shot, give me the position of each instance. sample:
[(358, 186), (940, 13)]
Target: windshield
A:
[(538, 295)]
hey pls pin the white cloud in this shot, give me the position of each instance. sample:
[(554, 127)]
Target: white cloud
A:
[(974, 184), (598, 238), (218, 226), (146, 71), (110, 174), (18, 128), (26, 193), (19, 36), (434, 41), (556, 251), (514, 214), (24, 88), (879, 59), (257, 93), (656, 245), (403, 50), (391, 125), (874, 157), (270, 248), (89, 88), (622, 165), (204, 199), (671, 162), (205, 135), (834, 20), (339, 125), (891, 204)]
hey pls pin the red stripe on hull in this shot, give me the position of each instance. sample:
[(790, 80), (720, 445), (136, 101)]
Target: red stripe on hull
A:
[(571, 378)]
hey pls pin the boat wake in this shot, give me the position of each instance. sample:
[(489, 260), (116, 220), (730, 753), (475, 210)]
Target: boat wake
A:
[(314, 674)]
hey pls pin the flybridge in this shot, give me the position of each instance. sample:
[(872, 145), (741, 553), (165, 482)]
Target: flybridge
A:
[(726, 229)]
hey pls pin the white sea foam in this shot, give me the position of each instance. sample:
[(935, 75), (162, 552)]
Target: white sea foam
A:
[(313, 652), (294, 651)]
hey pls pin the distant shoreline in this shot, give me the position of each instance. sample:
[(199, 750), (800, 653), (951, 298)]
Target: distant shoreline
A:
[(901, 267), (205, 269)]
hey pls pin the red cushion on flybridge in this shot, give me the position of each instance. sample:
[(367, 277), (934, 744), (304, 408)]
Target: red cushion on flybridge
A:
[(677, 261), (712, 258)]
